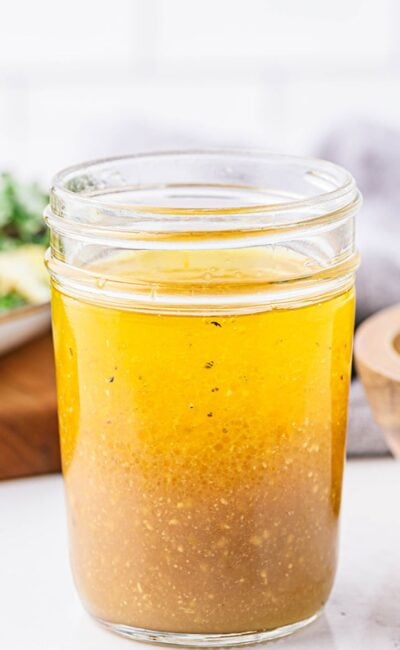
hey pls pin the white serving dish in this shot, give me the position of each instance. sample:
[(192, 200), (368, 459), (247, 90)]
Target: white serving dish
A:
[(22, 324)]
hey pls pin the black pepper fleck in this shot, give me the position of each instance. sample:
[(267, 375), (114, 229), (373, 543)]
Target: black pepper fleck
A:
[(209, 415), (209, 364), (110, 380), (71, 352), (214, 322), (215, 389)]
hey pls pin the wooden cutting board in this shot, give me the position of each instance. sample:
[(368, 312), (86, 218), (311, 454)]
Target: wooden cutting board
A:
[(28, 415)]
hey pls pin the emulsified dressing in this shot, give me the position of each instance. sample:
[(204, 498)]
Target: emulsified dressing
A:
[(203, 459)]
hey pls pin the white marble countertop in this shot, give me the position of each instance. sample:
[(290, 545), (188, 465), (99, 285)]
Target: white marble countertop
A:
[(39, 609)]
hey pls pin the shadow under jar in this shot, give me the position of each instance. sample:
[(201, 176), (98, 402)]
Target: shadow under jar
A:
[(203, 310)]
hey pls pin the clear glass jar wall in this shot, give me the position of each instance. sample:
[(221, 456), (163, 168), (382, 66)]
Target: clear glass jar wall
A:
[(203, 309)]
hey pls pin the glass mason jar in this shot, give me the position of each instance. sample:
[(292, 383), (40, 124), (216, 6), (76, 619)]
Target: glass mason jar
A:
[(203, 307)]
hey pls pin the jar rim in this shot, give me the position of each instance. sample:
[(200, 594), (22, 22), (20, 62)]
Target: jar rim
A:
[(82, 188)]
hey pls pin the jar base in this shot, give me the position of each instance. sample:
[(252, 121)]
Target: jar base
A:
[(205, 640)]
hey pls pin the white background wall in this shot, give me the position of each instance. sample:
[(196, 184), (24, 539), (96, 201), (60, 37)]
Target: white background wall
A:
[(84, 78)]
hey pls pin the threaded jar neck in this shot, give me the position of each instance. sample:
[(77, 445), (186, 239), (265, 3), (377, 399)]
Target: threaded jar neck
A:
[(202, 227)]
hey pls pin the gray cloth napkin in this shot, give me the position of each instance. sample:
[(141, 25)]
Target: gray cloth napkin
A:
[(364, 436), (371, 151)]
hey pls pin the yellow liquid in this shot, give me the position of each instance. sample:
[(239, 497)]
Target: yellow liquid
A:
[(203, 460)]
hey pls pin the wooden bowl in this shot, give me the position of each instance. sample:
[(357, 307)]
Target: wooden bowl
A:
[(377, 356)]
